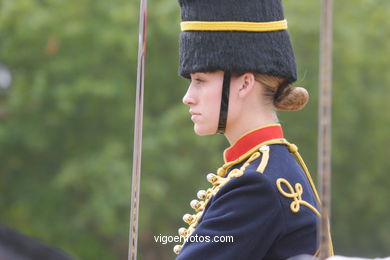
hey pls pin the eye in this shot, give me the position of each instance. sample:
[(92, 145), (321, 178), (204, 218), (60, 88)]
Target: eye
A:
[(198, 80)]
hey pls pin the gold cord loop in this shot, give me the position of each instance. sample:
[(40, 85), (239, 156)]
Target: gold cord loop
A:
[(295, 194)]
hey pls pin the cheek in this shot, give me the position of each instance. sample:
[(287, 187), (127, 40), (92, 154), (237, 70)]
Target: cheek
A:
[(215, 104), (211, 102)]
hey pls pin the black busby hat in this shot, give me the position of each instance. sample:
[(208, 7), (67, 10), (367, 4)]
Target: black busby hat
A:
[(235, 36)]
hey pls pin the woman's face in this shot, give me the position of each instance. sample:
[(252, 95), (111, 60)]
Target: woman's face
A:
[(204, 100)]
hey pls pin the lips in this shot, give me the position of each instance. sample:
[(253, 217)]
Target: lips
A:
[(194, 113)]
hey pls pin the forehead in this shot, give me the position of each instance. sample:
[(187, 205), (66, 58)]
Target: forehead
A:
[(216, 74)]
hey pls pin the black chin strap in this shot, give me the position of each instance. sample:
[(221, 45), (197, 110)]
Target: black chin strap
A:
[(223, 112)]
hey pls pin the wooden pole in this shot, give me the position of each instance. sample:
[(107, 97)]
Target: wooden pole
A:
[(137, 151), (325, 120)]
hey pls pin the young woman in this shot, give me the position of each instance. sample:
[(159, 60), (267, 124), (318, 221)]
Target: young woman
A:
[(239, 59)]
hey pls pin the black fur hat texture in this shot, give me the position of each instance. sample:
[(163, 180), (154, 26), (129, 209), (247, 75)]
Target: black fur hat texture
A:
[(268, 52)]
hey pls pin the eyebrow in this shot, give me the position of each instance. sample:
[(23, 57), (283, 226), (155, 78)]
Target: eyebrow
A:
[(198, 74)]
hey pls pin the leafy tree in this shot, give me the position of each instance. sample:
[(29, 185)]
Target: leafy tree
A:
[(66, 139)]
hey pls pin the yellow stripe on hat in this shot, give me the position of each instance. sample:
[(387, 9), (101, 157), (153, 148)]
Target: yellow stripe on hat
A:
[(234, 26)]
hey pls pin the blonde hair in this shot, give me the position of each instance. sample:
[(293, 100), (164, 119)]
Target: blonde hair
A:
[(284, 96)]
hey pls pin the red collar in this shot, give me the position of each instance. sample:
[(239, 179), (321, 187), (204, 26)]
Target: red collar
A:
[(251, 139)]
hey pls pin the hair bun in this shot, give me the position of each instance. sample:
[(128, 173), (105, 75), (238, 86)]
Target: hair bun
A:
[(292, 98)]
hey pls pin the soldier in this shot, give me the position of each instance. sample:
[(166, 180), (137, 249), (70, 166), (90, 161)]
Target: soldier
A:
[(239, 59)]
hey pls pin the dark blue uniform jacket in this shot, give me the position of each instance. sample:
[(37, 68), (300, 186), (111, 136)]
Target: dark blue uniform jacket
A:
[(264, 215)]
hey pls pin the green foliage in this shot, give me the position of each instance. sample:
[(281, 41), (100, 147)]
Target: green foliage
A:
[(66, 137)]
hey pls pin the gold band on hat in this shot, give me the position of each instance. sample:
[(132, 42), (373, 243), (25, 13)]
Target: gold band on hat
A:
[(234, 26)]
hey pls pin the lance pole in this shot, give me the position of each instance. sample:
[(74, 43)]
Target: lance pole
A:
[(137, 151), (325, 117)]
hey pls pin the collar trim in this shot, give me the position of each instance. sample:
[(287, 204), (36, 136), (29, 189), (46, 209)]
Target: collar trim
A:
[(251, 139)]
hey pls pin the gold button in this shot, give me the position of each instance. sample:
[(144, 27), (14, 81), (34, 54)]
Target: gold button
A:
[(188, 218), (182, 232), (212, 178), (194, 204), (292, 148), (221, 172), (201, 194), (177, 249)]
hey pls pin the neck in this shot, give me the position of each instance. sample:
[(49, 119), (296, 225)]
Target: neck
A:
[(245, 124)]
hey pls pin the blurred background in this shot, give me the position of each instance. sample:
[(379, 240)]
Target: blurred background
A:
[(67, 93)]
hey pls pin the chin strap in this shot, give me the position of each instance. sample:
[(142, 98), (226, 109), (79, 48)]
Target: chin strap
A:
[(223, 112)]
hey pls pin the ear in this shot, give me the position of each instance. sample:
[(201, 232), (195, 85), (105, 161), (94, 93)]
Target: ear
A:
[(247, 84)]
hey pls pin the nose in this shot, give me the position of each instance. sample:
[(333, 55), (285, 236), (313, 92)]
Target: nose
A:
[(188, 98)]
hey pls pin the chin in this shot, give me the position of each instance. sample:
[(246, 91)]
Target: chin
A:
[(201, 131)]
